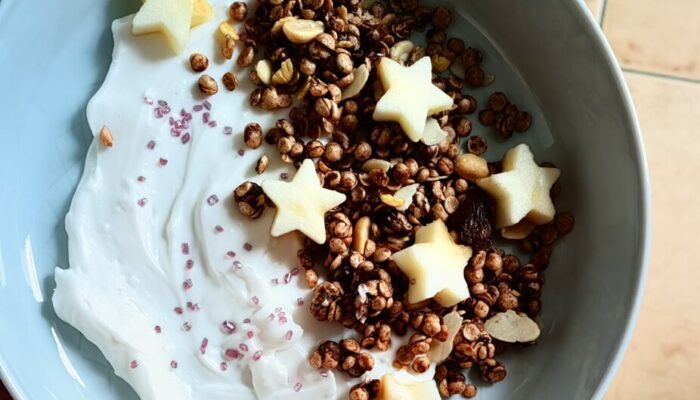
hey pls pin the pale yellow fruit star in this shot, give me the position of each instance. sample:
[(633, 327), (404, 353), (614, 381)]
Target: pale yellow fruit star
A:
[(410, 96), (301, 203), (396, 388), (172, 18), (435, 266), (521, 191)]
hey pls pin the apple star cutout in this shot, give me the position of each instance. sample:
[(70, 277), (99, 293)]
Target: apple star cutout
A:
[(435, 265), (301, 203), (410, 96), (522, 189), (172, 18)]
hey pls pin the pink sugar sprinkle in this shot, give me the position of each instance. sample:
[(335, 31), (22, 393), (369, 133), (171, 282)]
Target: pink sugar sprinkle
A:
[(186, 326), (237, 265), (185, 138), (193, 306), (173, 364), (250, 334), (163, 162), (134, 364), (171, 121), (284, 176), (223, 366), (246, 321), (187, 284), (232, 353), (162, 103), (213, 199), (187, 117), (212, 124), (324, 374), (178, 310), (142, 202), (241, 152), (297, 387), (255, 300), (283, 320), (185, 247), (275, 282), (148, 100), (218, 229), (205, 117), (158, 112), (300, 301), (166, 110), (197, 108), (248, 246), (207, 104), (203, 346), (231, 253), (271, 317), (228, 130), (288, 335), (243, 347), (189, 264), (157, 329), (295, 271), (287, 277), (278, 310), (141, 179), (257, 355), (151, 145), (228, 327), (175, 132), (183, 112)]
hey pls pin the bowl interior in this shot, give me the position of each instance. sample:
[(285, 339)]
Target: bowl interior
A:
[(546, 56)]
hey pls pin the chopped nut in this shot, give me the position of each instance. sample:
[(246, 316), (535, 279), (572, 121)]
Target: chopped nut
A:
[(207, 85), (512, 327), (106, 137), (284, 74), (198, 62), (300, 31), (400, 51), (225, 28), (246, 57), (391, 201), (360, 77), (227, 46), (361, 234), (376, 163), (264, 70), (471, 167)]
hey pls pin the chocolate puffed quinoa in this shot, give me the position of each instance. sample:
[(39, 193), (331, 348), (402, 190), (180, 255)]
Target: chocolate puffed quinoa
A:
[(319, 61)]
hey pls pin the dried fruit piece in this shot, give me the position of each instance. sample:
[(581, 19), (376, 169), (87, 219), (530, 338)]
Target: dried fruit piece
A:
[(512, 327), (440, 350), (471, 167), (360, 234), (472, 220)]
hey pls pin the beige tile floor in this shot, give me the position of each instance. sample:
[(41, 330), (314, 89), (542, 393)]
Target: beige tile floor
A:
[(658, 46)]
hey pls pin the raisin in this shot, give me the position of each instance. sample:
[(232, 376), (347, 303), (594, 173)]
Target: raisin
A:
[(473, 220)]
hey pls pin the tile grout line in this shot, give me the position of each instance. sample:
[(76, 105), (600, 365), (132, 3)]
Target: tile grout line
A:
[(661, 76)]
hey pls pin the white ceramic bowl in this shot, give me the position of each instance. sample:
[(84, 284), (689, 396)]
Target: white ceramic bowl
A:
[(549, 56)]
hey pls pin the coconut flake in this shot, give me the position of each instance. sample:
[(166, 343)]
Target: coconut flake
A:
[(512, 327)]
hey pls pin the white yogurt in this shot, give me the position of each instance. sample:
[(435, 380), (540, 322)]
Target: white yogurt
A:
[(153, 280)]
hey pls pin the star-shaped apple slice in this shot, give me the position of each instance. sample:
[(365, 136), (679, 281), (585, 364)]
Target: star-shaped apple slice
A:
[(301, 203), (410, 96), (435, 265), (172, 18), (522, 189)]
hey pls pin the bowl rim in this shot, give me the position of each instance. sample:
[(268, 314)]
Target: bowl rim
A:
[(595, 32)]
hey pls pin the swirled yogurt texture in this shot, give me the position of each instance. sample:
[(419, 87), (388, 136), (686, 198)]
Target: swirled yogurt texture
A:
[(186, 298)]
